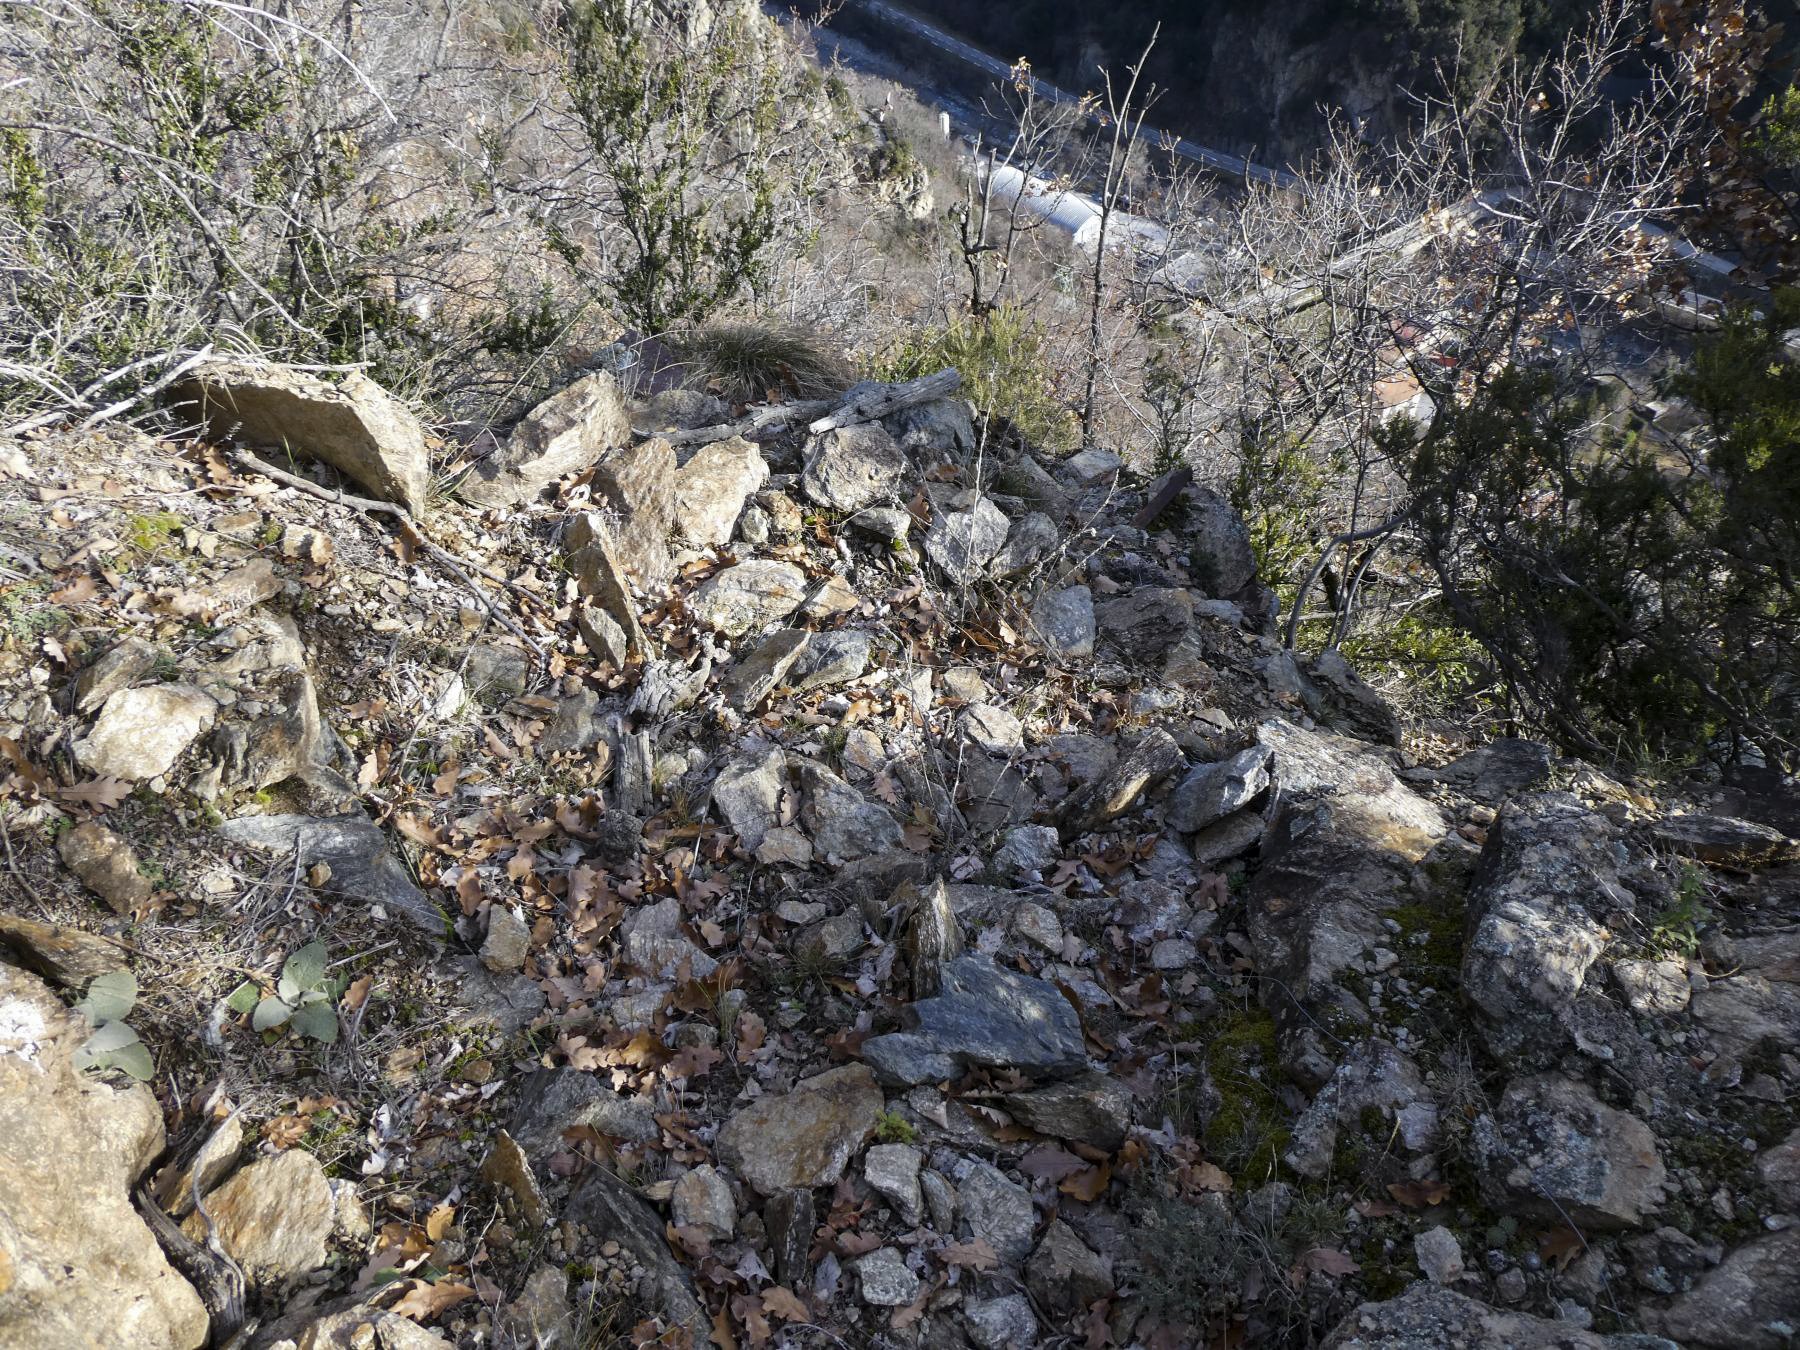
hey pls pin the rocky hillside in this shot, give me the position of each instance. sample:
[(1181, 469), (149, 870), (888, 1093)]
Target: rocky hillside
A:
[(819, 875)]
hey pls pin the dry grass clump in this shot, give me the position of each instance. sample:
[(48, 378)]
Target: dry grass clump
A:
[(750, 362)]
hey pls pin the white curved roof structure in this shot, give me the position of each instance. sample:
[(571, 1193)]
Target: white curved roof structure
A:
[(1075, 214)]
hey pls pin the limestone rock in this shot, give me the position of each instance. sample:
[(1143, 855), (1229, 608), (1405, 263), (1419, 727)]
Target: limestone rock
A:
[(564, 434), (1779, 1168), (703, 1200), (1439, 1254), (805, 1137), (997, 1210), (853, 467), (1219, 544), (1064, 622), (885, 1279), (610, 1211), (842, 822), (984, 1016), (577, 724), (1210, 792), (495, 672), (122, 665), (654, 942), (66, 956), (1031, 540), (1751, 1301), (1725, 841), (1093, 1109), (359, 1326), (552, 1101), (748, 595), (599, 573), (1653, 988), (892, 1170), (507, 1166), (508, 940), (991, 728), (1339, 855), (889, 524), (637, 486), (78, 1267), (1153, 759), (1064, 1275), (142, 731), (939, 430), (1500, 769), (712, 487), (351, 423), (1555, 1151), (749, 793), (1143, 625), (790, 1220), (1350, 703), (1429, 1318), (1028, 848), (1374, 1077), (831, 659), (1548, 876), (540, 1317), (274, 1217), (106, 865), (1004, 1323), (962, 543), (602, 635), (832, 940), (281, 743), (1360, 779), (759, 674)]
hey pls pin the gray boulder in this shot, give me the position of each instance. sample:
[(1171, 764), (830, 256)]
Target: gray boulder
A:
[(1219, 544), (1427, 1317), (984, 1015), (142, 731), (853, 467), (1064, 621), (1751, 1301), (564, 434), (78, 1267), (1555, 1151), (1210, 792), (1549, 875), (749, 595), (962, 543), (352, 423), (712, 487)]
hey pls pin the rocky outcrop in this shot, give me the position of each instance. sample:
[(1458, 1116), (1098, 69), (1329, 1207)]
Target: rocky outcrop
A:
[(77, 1265), (1539, 914)]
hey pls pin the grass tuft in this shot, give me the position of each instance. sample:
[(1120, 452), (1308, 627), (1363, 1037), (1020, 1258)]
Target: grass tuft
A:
[(749, 362)]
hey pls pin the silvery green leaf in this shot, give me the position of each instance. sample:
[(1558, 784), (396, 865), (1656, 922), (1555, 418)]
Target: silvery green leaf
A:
[(110, 1037), (243, 998), (318, 1021), (134, 1059), (110, 996), (271, 1012), (306, 967)]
